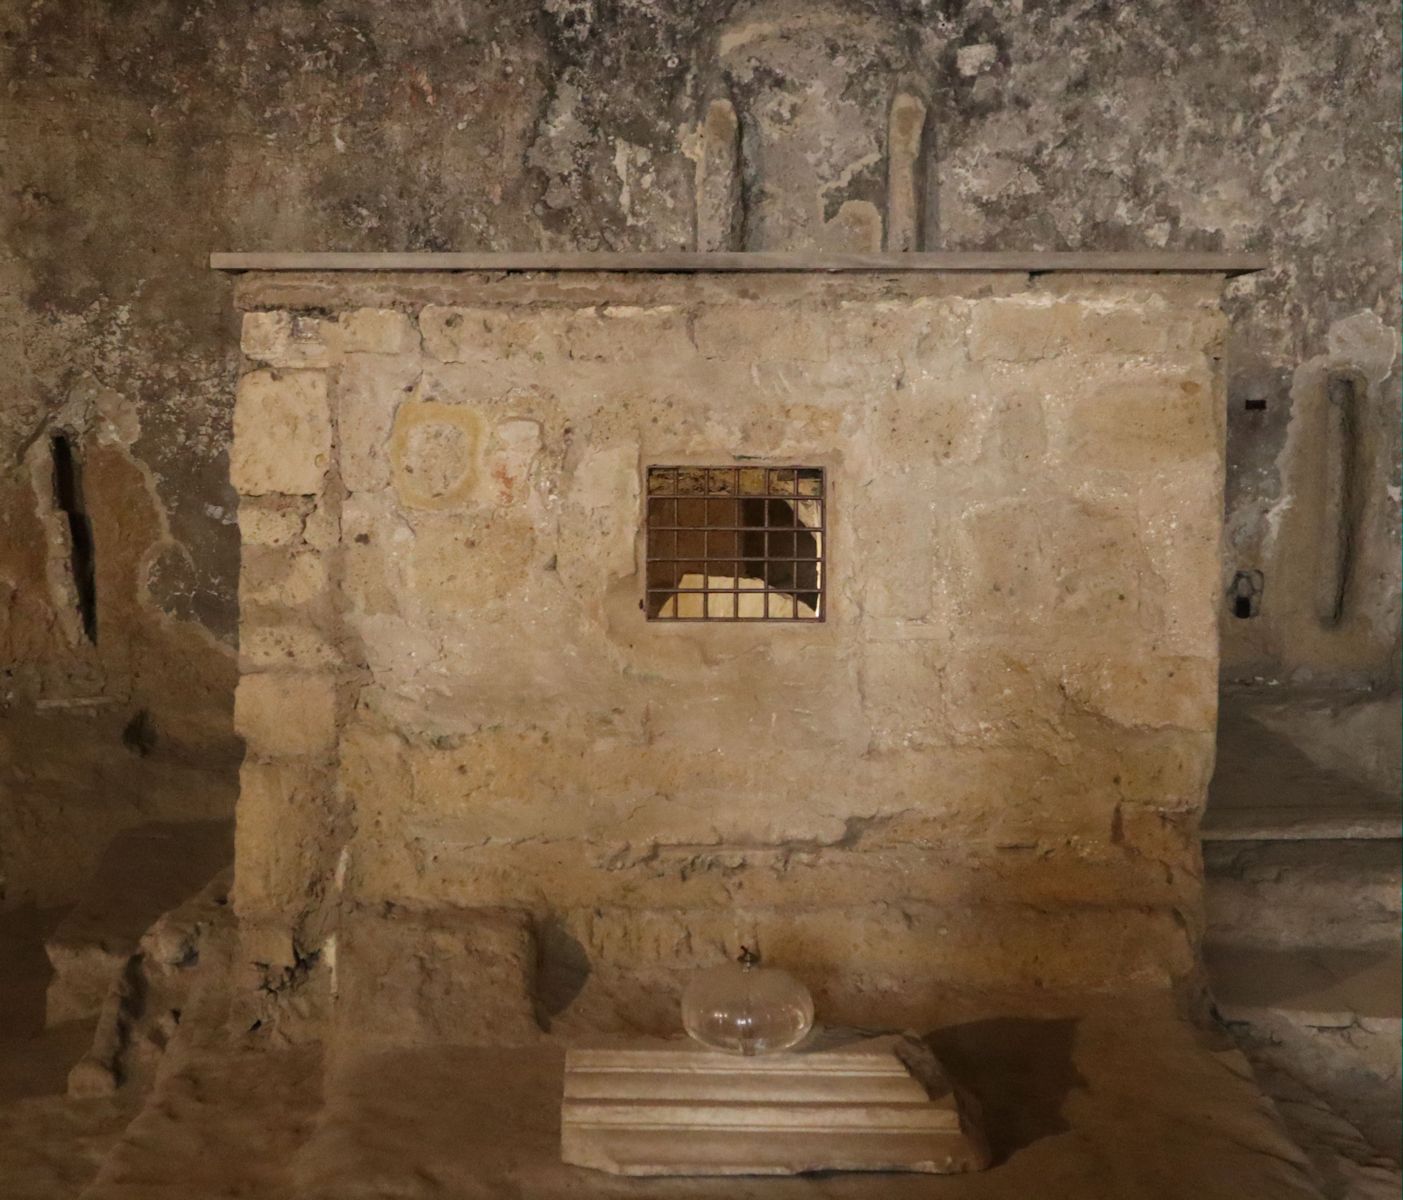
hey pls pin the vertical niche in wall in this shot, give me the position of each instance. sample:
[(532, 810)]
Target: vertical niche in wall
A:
[(1342, 498), (812, 134), (71, 506)]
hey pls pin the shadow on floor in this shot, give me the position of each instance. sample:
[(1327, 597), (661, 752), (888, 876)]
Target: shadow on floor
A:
[(1264, 786), (34, 1060), (1020, 1071)]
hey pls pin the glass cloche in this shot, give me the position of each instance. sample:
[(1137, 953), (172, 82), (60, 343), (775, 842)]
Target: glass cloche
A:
[(744, 1008)]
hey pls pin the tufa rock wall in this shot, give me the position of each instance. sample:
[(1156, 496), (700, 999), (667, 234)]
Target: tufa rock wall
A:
[(984, 768), (138, 138)]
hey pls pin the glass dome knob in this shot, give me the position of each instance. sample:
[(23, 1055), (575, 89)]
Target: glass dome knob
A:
[(744, 1008)]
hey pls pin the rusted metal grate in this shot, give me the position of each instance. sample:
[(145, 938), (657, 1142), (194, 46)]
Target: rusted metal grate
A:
[(738, 543)]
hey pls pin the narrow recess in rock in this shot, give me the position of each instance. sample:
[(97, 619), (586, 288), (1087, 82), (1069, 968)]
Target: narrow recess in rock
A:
[(68, 495), (1342, 498)]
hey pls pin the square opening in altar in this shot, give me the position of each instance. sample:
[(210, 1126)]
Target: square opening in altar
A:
[(743, 542)]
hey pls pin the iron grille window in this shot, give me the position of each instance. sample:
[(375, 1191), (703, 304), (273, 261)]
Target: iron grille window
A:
[(735, 543)]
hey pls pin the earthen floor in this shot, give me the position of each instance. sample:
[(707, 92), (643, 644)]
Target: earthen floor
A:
[(1106, 1097)]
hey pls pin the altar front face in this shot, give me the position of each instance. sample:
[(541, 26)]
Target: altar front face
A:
[(870, 618)]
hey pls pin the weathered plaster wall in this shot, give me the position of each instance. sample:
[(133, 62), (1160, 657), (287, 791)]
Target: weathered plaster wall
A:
[(136, 138), (986, 764)]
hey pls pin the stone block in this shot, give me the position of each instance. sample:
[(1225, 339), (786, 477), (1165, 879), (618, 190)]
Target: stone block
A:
[(285, 830), (447, 976), (895, 550), (378, 331), (1198, 329), (515, 446), (322, 530), (926, 336), (1159, 770), (1137, 421), (281, 642), (282, 433), (625, 333), (268, 944), (1180, 520), (280, 575), (484, 335), (1018, 329), (1147, 693), (1015, 433), (284, 339), (435, 454), (459, 566), (1103, 581), (936, 416), (272, 520), (1021, 329), (1130, 330), (763, 333), (677, 1108), (1003, 582), (604, 487), (901, 696), (369, 391), (1001, 699), (286, 715), (374, 536)]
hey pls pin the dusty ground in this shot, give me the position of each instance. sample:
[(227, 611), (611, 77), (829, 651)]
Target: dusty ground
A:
[(49, 1146), (1107, 1098), (1104, 1098), (1064, 1098)]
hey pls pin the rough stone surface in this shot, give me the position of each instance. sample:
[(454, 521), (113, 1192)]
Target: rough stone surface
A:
[(377, 331), (462, 977), (281, 339), (285, 715), (131, 153), (282, 433), (285, 830), (1006, 708)]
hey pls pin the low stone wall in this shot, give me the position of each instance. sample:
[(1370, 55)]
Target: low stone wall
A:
[(984, 768)]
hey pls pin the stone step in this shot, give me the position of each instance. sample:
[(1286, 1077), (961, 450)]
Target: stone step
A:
[(1346, 894), (1322, 987), (1330, 1017), (1266, 788), (1333, 817), (144, 872), (1348, 1167), (842, 1101)]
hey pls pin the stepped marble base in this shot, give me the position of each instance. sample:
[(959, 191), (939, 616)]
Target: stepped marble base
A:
[(839, 1103)]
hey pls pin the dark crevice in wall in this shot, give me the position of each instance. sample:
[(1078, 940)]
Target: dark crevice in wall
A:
[(928, 184), (139, 734), (1342, 499), (1245, 593), (741, 200), (747, 177), (68, 496)]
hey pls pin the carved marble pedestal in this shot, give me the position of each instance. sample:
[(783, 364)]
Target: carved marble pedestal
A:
[(845, 1103)]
